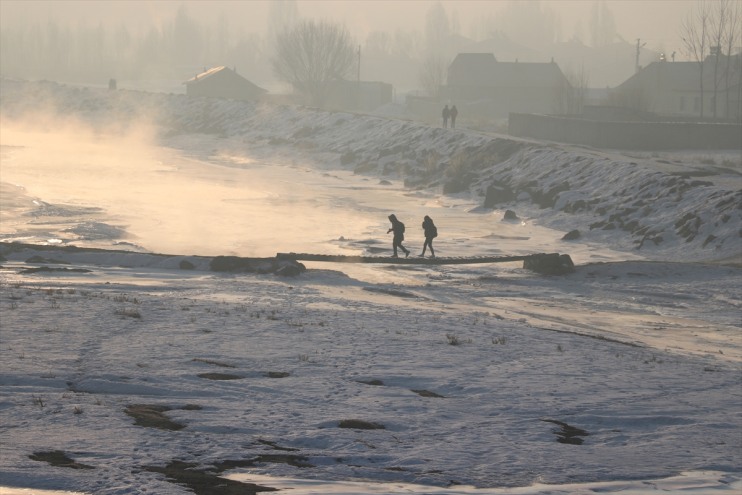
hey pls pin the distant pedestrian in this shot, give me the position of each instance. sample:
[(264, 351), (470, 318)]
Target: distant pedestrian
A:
[(445, 114), (431, 232), (453, 113), (398, 229)]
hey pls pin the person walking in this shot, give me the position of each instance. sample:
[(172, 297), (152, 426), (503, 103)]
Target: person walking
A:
[(445, 114), (398, 229), (431, 232), (453, 113)]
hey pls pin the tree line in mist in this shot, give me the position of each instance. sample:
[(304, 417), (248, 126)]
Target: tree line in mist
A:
[(182, 46)]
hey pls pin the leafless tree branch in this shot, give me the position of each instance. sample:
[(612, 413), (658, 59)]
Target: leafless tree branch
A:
[(313, 54)]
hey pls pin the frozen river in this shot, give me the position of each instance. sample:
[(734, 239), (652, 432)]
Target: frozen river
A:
[(655, 389), (208, 196), (201, 195)]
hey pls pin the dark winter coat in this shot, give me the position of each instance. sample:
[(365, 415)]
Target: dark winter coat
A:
[(429, 227), (397, 228)]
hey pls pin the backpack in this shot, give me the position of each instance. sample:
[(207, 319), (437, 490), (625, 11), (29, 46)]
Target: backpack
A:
[(401, 228), (434, 231)]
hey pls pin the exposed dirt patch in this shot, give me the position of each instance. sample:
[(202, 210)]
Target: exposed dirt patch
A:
[(41, 259), (391, 292), (212, 362), (275, 446), (567, 433), (290, 459), (204, 481), (359, 424), (428, 393), (277, 374), (58, 458), (46, 269), (153, 415), (220, 376), (374, 382)]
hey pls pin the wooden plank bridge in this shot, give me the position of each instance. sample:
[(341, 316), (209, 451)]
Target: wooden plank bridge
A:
[(541, 262), (412, 260)]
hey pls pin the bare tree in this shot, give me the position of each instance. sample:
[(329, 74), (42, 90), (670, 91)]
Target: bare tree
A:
[(730, 34), (528, 22), (311, 55), (437, 30), (184, 38), (573, 95), (718, 28), (283, 15), (602, 25), (433, 74), (695, 33)]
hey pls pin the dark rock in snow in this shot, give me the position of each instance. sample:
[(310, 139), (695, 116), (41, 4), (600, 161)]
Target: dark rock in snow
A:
[(497, 193), (550, 264), (458, 184), (572, 235), (186, 265), (510, 215), (232, 264), (348, 157), (290, 269), (236, 264)]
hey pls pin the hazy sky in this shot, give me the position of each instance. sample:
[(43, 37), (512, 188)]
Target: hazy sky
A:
[(655, 21)]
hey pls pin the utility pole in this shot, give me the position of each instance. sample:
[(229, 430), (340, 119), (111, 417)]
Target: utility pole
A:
[(358, 85), (639, 45)]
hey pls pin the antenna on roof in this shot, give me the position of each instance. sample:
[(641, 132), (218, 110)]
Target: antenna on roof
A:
[(638, 47)]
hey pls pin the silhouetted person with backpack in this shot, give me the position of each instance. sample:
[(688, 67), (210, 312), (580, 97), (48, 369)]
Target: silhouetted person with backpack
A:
[(453, 113), (431, 232), (398, 229), (445, 114)]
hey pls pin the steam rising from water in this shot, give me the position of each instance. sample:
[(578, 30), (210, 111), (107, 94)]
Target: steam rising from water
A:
[(103, 185), (207, 202)]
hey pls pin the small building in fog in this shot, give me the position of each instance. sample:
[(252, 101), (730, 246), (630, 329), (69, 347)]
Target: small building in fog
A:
[(223, 82), (480, 83), (673, 89)]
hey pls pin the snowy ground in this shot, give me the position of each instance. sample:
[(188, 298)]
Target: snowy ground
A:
[(470, 373)]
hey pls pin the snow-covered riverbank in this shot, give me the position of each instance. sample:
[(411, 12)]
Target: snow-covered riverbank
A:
[(620, 377)]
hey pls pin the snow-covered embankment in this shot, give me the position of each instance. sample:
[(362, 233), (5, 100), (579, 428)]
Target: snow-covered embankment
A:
[(679, 207)]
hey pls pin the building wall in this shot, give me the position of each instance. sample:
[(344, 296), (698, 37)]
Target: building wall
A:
[(674, 89), (499, 102), (627, 135), (223, 85)]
